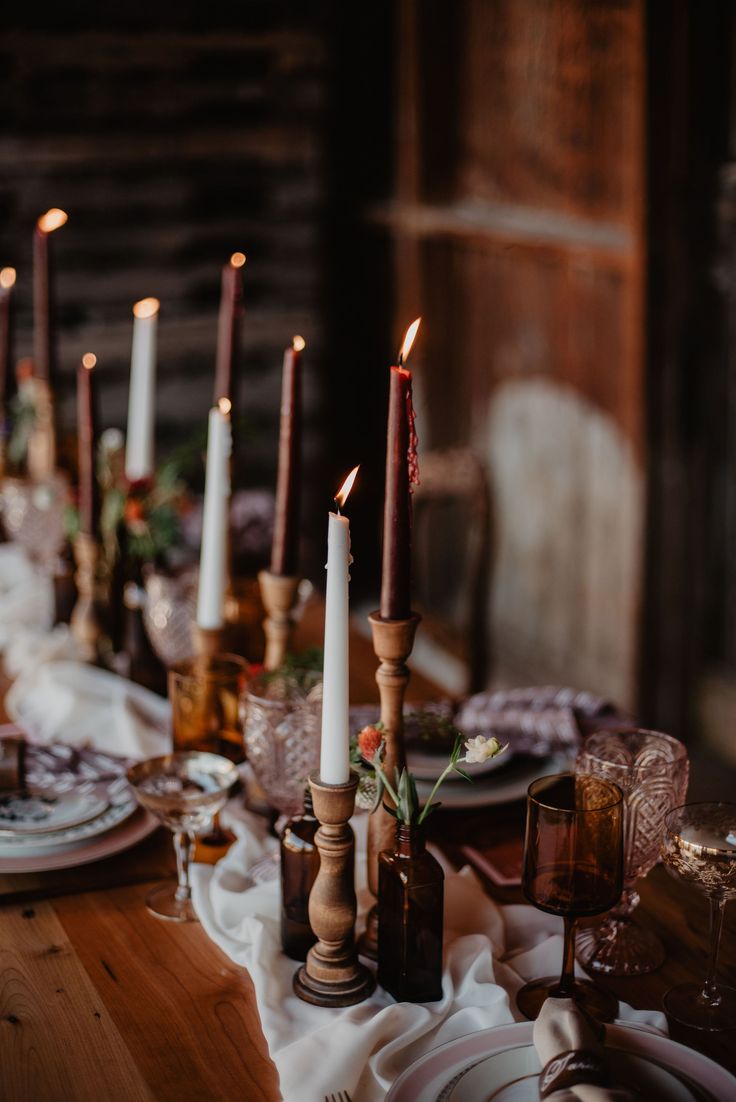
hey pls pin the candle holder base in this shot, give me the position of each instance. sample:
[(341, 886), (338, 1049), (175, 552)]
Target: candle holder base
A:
[(332, 975), (279, 595), (84, 623), (392, 642)]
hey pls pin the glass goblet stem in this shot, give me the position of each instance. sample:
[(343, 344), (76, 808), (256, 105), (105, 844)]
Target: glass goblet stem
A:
[(566, 987), (183, 842), (710, 994)]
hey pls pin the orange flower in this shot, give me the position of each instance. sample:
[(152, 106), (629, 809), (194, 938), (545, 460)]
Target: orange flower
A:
[(369, 741)]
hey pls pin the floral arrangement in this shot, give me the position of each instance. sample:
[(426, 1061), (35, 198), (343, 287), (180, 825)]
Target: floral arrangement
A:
[(371, 748), (148, 512)]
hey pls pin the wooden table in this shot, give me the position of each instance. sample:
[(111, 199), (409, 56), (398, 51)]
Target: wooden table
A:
[(101, 1001)]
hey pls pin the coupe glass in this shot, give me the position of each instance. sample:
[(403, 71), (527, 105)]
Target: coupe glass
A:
[(282, 715), (33, 516), (183, 790), (699, 847), (652, 770), (573, 867)]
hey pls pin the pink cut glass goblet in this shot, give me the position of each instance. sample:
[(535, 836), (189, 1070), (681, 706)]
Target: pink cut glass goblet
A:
[(651, 769)]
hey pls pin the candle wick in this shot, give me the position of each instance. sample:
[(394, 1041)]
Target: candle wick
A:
[(337, 505), (401, 359)]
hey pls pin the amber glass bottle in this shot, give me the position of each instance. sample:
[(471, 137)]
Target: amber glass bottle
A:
[(410, 902), (299, 868)]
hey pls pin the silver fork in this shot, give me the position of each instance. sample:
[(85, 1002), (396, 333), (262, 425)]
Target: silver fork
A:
[(341, 1096)]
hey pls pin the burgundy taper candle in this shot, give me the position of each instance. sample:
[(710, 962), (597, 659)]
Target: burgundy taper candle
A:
[(396, 567), (7, 282), (285, 546), (88, 493), (43, 340), (228, 327)]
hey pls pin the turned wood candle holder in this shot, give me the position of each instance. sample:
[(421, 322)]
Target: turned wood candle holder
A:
[(332, 975), (85, 623), (208, 641), (392, 641), (279, 595)]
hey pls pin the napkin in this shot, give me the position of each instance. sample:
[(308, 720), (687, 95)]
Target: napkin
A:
[(490, 951), (26, 595), (570, 1048), (78, 704)]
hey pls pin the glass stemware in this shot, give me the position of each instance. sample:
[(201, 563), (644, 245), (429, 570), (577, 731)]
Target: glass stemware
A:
[(699, 847), (185, 791), (652, 770), (282, 714), (205, 693), (573, 867)]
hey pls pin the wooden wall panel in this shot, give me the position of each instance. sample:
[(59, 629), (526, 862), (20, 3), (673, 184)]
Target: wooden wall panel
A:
[(526, 247)]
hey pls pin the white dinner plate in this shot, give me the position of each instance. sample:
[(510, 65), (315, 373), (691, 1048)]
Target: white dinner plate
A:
[(28, 844), (435, 1076), (129, 832), (427, 764), (513, 1076), (498, 788), (34, 814)]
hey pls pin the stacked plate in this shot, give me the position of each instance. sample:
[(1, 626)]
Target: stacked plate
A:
[(501, 1065), (496, 781), (76, 807)]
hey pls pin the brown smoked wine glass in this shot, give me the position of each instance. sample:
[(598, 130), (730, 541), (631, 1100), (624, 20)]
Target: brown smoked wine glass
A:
[(573, 867)]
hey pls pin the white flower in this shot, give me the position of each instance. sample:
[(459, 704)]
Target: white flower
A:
[(112, 440), (481, 748)]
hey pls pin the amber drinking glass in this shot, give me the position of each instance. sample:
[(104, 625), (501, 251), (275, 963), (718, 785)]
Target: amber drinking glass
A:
[(651, 769), (699, 847), (573, 867), (205, 697)]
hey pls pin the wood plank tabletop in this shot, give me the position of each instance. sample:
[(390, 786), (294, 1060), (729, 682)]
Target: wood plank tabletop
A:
[(100, 1000)]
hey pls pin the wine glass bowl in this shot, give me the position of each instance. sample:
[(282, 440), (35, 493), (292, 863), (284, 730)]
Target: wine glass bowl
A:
[(184, 791), (282, 714), (205, 693), (699, 847), (652, 771), (573, 867)]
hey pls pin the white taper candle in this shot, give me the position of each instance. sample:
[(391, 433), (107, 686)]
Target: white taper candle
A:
[(213, 556), (140, 437)]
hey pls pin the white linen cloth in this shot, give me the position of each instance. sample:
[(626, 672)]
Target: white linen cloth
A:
[(26, 595), (80, 705), (490, 951)]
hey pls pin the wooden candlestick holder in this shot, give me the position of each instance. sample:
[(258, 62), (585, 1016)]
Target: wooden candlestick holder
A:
[(208, 641), (85, 624), (392, 641), (332, 975), (279, 594)]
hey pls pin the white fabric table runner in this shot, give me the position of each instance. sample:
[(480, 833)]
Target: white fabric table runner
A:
[(490, 951)]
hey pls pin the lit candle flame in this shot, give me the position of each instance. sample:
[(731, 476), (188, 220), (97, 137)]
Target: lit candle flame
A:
[(237, 260), (89, 360), (342, 494), (409, 340), (7, 278), (146, 308), (224, 405), (52, 220), (298, 344)]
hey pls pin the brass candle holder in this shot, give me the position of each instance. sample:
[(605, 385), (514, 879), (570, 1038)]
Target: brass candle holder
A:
[(392, 641), (85, 623), (279, 595), (332, 975)]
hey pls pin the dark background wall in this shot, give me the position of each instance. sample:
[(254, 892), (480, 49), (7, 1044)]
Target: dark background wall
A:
[(174, 135)]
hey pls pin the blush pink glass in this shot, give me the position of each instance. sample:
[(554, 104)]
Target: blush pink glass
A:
[(651, 769)]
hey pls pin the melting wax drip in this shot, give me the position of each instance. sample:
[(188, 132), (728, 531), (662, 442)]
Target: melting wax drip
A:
[(412, 457)]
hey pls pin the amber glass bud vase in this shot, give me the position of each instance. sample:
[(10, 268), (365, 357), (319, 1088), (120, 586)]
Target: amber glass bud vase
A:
[(299, 868), (411, 888)]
